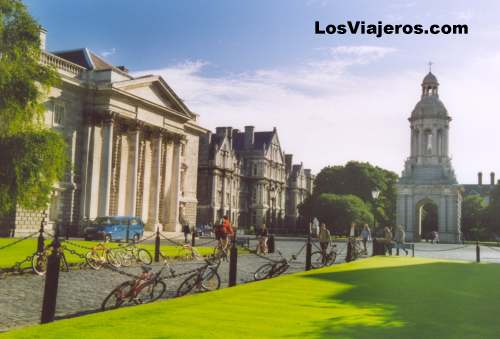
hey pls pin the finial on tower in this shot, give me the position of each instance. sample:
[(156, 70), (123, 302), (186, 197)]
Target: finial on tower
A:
[(430, 66)]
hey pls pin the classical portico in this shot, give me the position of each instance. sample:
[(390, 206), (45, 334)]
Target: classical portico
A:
[(428, 177)]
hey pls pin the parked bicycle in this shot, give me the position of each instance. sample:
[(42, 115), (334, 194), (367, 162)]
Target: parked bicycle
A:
[(271, 270), (101, 255), (319, 260), (40, 260), (188, 253), (205, 279), (356, 248), (129, 254), (148, 287)]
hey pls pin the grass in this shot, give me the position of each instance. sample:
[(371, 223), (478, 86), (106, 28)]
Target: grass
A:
[(381, 297), (18, 252)]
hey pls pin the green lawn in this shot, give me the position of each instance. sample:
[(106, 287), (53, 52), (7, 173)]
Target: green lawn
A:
[(382, 297), (19, 251)]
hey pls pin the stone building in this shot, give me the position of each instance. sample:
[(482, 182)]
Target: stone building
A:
[(428, 180), (132, 143), (299, 187), (243, 174), (482, 189)]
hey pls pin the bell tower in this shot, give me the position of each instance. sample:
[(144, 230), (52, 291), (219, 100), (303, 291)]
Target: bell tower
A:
[(428, 177)]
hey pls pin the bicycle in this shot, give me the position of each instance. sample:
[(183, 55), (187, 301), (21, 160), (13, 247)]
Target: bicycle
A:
[(188, 253), (205, 279), (129, 253), (40, 260), (100, 255), (148, 287), (356, 248), (319, 260), (271, 270)]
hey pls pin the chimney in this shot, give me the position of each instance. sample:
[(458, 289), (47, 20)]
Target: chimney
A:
[(492, 178), (288, 162), (122, 68), (480, 178), (220, 131), (249, 136), (43, 38)]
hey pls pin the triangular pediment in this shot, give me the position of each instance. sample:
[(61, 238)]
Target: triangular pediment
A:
[(155, 90)]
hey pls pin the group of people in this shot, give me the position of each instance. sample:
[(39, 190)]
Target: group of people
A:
[(398, 238)]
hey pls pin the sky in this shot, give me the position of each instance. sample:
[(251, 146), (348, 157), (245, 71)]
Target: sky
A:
[(333, 98)]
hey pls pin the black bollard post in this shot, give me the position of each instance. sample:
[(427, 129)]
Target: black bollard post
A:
[(397, 250), (157, 245), (308, 249), (348, 256), (193, 237), (270, 244), (233, 262), (41, 240), (51, 282), (478, 252), (413, 250)]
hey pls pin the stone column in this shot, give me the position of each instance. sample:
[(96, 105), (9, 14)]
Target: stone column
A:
[(133, 170), (107, 156), (86, 165), (157, 181), (173, 215)]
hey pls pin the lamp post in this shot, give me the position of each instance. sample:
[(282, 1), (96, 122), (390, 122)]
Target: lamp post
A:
[(375, 195)]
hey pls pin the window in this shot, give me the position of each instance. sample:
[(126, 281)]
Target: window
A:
[(59, 111)]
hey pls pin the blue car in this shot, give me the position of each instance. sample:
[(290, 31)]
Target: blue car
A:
[(115, 229)]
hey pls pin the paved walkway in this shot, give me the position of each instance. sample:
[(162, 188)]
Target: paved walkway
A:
[(82, 291)]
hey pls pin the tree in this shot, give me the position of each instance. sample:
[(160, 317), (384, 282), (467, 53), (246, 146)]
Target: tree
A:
[(339, 211), (359, 179), (473, 217), (32, 157), (492, 212)]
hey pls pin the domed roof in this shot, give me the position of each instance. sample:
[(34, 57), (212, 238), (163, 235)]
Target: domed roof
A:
[(429, 107), (430, 79)]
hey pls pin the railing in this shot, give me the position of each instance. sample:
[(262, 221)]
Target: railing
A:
[(61, 64)]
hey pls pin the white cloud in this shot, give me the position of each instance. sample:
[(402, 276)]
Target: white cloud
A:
[(108, 52), (327, 114)]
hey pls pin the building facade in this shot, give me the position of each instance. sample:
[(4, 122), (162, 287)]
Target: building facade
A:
[(132, 144), (243, 174), (428, 177)]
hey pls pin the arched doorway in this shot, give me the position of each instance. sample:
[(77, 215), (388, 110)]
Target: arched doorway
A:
[(427, 218)]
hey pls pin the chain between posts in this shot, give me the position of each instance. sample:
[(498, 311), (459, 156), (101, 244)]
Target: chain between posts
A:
[(170, 240), (18, 240), (443, 250)]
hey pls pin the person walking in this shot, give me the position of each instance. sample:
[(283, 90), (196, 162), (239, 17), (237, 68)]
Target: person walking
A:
[(387, 240), (399, 238), (186, 231), (366, 235), (324, 238), (227, 231), (263, 234)]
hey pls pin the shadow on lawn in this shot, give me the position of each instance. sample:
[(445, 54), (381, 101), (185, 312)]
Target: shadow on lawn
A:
[(436, 300)]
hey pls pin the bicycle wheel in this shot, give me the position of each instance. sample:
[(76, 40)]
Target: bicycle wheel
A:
[(94, 260), (280, 270), (117, 297), (39, 263), (151, 291), (187, 285), (123, 257), (210, 280), (317, 259), (144, 256), (263, 272), (330, 258), (113, 259)]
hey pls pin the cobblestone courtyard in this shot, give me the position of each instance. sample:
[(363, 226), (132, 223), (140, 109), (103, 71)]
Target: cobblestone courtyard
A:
[(82, 291)]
